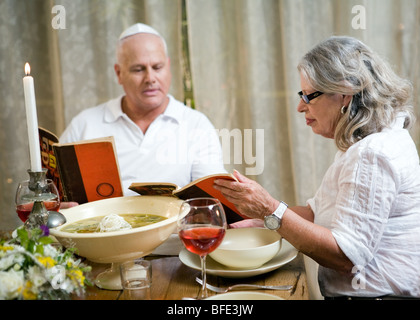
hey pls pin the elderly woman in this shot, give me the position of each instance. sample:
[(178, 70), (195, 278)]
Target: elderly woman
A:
[(363, 224)]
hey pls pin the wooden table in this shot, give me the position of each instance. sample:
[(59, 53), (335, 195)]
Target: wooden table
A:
[(172, 280)]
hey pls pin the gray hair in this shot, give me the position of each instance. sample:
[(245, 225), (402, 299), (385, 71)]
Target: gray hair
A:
[(345, 65)]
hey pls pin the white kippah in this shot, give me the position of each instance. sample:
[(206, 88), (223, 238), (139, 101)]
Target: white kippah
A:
[(138, 28)]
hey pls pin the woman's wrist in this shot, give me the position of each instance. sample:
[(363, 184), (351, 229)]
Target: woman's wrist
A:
[(274, 204)]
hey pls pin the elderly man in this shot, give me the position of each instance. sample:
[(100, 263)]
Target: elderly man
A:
[(158, 139)]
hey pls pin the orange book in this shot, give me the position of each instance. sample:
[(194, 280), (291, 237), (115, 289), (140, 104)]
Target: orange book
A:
[(87, 170), (202, 187)]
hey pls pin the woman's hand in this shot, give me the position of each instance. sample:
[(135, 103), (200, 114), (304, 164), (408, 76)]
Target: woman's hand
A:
[(247, 223), (250, 198)]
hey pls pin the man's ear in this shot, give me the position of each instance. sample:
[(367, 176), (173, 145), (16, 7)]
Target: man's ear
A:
[(117, 70)]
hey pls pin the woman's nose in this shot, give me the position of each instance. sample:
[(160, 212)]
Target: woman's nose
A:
[(301, 107)]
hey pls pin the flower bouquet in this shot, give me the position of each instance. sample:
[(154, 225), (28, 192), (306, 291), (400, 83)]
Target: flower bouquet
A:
[(33, 267)]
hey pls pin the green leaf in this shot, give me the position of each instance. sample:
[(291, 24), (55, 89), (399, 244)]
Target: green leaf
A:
[(23, 237), (31, 246), (36, 233), (39, 249), (45, 240)]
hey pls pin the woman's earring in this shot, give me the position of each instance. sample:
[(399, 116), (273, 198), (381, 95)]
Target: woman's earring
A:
[(343, 109)]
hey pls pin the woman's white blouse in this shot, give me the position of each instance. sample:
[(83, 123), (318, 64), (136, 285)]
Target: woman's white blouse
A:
[(370, 200)]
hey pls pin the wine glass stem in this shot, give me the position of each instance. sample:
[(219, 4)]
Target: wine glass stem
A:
[(203, 276)]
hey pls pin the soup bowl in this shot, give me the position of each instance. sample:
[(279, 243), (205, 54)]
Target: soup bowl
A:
[(123, 245)]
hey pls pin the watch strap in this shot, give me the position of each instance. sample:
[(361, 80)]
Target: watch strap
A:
[(281, 209)]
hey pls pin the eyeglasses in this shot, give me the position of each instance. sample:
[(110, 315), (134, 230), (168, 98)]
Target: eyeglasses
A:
[(309, 97)]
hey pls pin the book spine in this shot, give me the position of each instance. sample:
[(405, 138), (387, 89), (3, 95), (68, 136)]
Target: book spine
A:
[(71, 177)]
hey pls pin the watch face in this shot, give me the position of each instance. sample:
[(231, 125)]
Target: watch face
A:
[(272, 223)]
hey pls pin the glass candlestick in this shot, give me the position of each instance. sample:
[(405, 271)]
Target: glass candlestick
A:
[(38, 216), (35, 197)]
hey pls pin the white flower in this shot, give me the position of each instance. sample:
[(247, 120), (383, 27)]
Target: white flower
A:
[(11, 284), (7, 261), (10, 259), (36, 269), (36, 276), (50, 251), (56, 276)]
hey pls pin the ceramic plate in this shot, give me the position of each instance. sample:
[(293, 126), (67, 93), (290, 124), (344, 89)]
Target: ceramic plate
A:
[(244, 295), (286, 254)]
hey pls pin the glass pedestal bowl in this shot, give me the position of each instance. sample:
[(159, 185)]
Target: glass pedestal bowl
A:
[(116, 247)]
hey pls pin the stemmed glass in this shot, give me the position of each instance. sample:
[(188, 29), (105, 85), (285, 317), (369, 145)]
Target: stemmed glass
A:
[(202, 227), (25, 198)]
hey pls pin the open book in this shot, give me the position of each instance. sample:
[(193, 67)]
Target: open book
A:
[(202, 187), (83, 171)]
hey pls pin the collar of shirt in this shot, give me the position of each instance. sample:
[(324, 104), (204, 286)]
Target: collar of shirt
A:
[(399, 121), (114, 110)]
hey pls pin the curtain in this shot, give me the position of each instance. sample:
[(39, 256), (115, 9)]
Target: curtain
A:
[(242, 57), (73, 68)]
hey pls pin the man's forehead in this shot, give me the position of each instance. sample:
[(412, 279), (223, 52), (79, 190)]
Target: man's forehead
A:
[(137, 47), (143, 41)]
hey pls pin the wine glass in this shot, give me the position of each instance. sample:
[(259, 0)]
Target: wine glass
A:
[(25, 198), (202, 227)]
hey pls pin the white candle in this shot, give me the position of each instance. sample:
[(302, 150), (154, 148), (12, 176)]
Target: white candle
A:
[(32, 120)]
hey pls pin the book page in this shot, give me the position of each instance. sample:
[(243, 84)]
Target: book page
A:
[(153, 188)]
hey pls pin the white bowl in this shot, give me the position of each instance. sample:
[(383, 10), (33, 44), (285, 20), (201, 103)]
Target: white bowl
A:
[(116, 247), (247, 248), (123, 245)]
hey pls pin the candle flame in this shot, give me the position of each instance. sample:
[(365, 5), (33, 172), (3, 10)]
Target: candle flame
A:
[(27, 69)]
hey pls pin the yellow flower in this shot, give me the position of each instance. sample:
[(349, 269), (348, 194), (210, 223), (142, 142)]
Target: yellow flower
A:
[(77, 276), (47, 262), (6, 248), (27, 292)]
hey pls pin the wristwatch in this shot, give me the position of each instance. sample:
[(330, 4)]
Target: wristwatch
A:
[(273, 221)]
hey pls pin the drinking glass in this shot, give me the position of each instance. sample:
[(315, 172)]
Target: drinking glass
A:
[(136, 279), (25, 198), (202, 227)]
